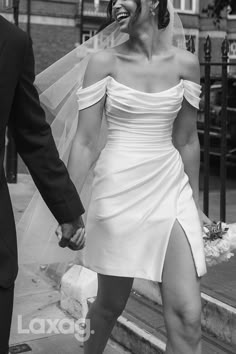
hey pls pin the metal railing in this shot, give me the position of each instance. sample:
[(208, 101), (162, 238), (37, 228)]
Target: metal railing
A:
[(207, 65)]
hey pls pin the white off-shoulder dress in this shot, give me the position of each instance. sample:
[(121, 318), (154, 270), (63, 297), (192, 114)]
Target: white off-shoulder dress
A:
[(139, 188)]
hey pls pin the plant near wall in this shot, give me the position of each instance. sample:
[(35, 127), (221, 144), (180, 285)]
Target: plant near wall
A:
[(214, 10)]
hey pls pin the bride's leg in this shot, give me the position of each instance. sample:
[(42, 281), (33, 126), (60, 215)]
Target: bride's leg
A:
[(113, 293), (181, 296)]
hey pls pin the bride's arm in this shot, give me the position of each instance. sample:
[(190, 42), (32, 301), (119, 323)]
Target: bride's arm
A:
[(85, 144), (84, 147), (185, 139), (185, 135)]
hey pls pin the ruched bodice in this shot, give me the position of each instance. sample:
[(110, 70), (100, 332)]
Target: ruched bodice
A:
[(92, 94), (139, 120), (140, 187)]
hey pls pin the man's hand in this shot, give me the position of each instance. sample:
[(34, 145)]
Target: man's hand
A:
[(72, 234)]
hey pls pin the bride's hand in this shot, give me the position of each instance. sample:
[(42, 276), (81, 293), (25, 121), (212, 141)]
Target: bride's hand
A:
[(204, 218), (72, 235), (77, 242)]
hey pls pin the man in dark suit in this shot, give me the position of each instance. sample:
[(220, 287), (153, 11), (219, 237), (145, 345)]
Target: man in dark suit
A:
[(20, 110)]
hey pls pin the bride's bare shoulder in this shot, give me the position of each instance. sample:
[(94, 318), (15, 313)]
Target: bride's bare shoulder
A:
[(100, 65), (188, 65), (101, 57)]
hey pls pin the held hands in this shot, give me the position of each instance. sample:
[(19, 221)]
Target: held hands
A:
[(72, 235)]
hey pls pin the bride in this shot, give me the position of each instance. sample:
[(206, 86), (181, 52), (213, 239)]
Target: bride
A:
[(143, 219)]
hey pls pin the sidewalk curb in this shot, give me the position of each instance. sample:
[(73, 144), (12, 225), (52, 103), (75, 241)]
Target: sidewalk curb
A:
[(139, 338), (134, 338), (219, 319)]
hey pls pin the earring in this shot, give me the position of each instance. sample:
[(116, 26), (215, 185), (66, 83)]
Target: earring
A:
[(153, 8), (152, 11)]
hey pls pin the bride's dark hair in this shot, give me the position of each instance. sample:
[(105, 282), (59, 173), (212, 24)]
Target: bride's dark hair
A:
[(163, 12)]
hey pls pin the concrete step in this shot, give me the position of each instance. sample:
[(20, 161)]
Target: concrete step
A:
[(218, 318), (141, 330)]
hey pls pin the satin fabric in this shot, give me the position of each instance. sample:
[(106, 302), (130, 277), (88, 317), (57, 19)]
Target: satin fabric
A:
[(140, 188)]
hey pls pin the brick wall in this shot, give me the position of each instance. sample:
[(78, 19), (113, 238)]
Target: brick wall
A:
[(55, 8), (51, 43)]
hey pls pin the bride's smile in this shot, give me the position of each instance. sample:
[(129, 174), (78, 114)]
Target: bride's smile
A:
[(133, 13)]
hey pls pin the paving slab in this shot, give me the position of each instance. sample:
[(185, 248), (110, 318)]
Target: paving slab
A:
[(61, 344), (35, 298), (39, 325), (220, 282)]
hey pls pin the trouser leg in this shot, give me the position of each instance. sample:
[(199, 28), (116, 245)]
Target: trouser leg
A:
[(6, 306)]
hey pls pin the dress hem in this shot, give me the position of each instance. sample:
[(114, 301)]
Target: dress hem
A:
[(125, 274), (119, 273)]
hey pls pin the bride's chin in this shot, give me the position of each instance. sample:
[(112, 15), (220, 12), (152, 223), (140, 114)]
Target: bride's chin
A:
[(124, 27), (124, 30)]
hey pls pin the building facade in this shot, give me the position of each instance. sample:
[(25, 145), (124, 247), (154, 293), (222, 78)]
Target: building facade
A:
[(56, 26)]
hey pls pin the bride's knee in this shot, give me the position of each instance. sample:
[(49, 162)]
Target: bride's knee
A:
[(186, 322), (191, 323)]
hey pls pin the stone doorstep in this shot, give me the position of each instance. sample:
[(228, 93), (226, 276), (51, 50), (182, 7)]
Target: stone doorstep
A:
[(140, 337), (135, 335), (218, 318), (136, 339)]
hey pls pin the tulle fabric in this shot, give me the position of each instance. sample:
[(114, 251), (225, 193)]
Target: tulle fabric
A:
[(57, 85)]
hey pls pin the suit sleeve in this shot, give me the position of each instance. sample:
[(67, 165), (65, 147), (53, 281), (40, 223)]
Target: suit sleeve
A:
[(37, 148)]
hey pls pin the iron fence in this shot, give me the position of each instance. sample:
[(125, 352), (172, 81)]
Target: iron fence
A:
[(224, 123)]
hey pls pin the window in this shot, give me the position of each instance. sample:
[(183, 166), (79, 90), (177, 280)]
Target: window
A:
[(94, 44), (195, 39), (88, 34), (232, 48), (185, 5), (232, 56), (232, 9)]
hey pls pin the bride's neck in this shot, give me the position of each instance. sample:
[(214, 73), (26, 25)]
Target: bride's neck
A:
[(146, 41)]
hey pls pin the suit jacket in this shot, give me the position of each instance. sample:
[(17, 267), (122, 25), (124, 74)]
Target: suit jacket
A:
[(20, 109)]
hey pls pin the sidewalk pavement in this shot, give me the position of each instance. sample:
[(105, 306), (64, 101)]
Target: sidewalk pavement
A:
[(60, 344), (38, 299), (39, 325), (219, 283)]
